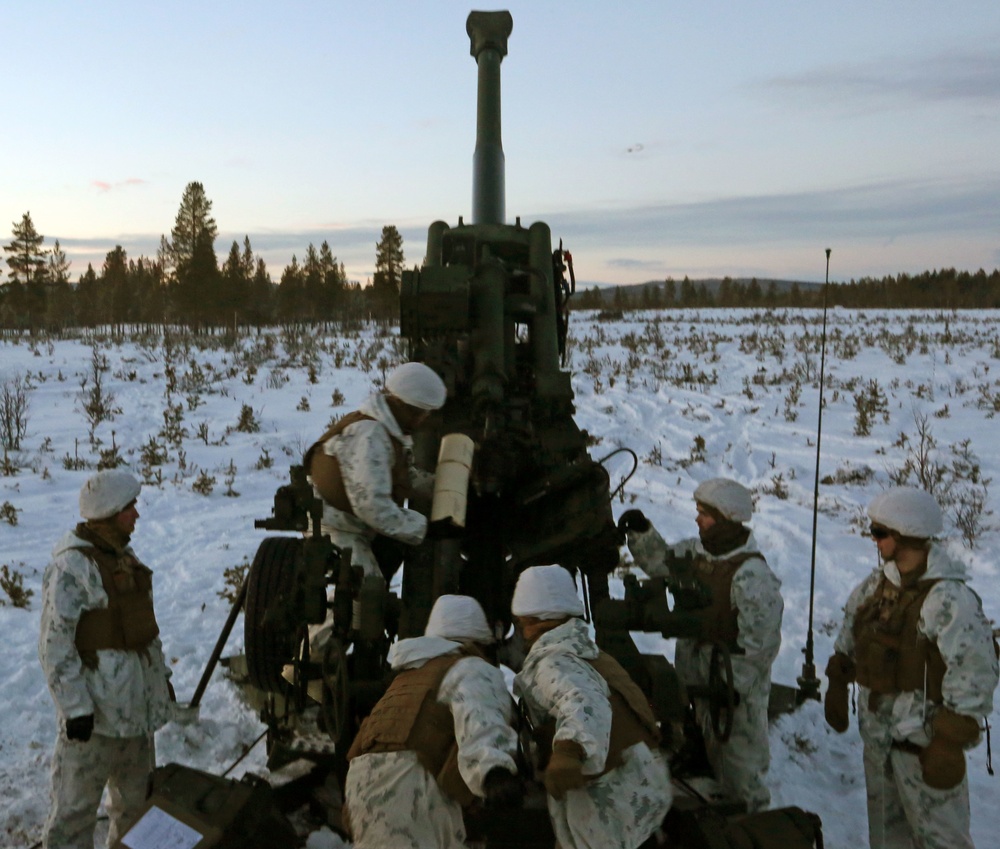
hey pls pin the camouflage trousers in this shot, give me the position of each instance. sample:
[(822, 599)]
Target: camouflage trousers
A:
[(904, 813), (741, 763), (80, 772)]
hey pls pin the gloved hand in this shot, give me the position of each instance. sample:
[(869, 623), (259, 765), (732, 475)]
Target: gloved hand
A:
[(633, 520), (840, 672), (80, 727), (943, 759), (502, 789), (565, 769)]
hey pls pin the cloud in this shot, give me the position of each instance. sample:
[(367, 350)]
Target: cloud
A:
[(104, 186), (865, 212), (968, 75)]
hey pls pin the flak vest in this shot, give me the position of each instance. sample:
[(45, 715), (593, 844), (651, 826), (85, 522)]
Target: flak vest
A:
[(410, 718), (721, 619), (324, 469), (128, 623), (892, 656), (632, 719)]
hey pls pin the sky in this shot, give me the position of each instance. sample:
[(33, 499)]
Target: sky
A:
[(656, 139), (753, 425)]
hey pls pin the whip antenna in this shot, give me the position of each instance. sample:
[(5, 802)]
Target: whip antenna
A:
[(807, 681)]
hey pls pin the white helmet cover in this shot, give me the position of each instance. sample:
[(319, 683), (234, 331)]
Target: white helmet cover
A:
[(417, 385), (546, 592), (459, 618), (731, 499), (107, 493), (910, 512)]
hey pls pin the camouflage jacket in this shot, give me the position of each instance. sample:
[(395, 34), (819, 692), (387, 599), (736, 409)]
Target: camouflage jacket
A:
[(952, 618), (365, 453), (755, 595), (127, 692), (616, 810)]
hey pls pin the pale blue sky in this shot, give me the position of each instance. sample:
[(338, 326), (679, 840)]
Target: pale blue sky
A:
[(655, 138)]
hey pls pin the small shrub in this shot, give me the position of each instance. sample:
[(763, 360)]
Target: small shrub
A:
[(8, 512), (232, 579), (13, 412), (204, 483), (337, 399), (12, 583), (265, 461), (248, 421), (303, 405), (229, 479)]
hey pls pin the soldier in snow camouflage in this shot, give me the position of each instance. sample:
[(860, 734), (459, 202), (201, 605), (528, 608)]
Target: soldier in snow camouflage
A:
[(745, 614), (441, 736), (362, 466), (101, 654), (915, 640), (606, 777)]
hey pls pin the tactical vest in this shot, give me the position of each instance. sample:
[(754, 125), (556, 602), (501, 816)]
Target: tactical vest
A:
[(632, 719), (721, 618), (128, 622), (892, 656), (410, 718), (324, 469)]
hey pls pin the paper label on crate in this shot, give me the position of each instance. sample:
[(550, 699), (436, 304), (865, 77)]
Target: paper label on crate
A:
[(156, 829)]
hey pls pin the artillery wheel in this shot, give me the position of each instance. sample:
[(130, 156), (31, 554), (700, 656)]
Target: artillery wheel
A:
[(269, 642), (336, 689), (722, 693)]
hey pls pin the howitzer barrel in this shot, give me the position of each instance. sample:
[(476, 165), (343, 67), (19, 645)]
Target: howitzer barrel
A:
[(488, 32)]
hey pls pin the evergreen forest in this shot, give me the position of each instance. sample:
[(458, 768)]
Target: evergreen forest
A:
[(185, 284)]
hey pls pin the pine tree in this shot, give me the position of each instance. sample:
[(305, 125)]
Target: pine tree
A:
[(115, 288), (388, 272), (27, 258), (197, 295), (194, 222)]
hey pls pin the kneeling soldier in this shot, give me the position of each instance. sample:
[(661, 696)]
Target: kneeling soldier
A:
[(441, 736), (607, 779)]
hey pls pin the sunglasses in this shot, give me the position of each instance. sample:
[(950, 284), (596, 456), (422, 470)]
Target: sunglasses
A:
[(878, 533)]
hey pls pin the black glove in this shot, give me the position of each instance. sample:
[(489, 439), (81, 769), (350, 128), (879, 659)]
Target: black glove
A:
[(80, 728), (443, 529), (502, 789), (633, 520)]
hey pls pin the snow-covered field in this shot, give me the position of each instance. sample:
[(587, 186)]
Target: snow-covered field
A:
[(694, 394)]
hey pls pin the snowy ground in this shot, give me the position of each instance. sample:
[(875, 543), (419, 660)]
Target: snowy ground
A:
[(695, 395)]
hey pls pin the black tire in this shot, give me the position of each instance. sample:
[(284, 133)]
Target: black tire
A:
[(268, 640)]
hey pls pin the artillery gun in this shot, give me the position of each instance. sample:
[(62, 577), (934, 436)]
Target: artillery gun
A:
[(487, 310)]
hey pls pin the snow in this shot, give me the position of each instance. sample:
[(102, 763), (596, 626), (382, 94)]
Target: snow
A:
[(694, 394)]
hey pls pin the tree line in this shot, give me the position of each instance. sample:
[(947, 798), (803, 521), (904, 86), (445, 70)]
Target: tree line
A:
[(941, 289), (185, 283)]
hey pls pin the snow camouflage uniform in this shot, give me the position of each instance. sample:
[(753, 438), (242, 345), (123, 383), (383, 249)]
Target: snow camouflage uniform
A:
[(625, 805), (740, 764), (373, 455), (393, 802), (903, 811), (125, 690)]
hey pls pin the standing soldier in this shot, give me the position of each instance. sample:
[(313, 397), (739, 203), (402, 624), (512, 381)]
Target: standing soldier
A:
[(362, 466), (916, 641), (744, 614), (607, 779), (441, 736), (101, 653)]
